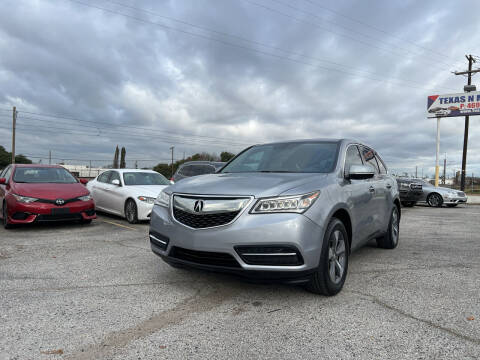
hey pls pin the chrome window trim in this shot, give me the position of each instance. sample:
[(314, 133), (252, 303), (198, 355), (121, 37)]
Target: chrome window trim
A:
[(345, 155), (247, 205)]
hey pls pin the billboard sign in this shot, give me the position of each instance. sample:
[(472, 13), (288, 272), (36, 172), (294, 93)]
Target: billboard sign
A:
[(453, 104)]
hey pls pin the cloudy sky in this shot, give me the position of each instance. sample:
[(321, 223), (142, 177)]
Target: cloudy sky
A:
[(216, 75)]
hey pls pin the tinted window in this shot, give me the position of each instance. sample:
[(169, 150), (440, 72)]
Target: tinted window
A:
[(104, 177), (194, 170), (144, 178), (369, 158), (296, 157), (43, 175), (7, 172), (381, 166), (115, 176), (352, 157)]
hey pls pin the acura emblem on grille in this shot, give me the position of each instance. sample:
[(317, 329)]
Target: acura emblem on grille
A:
[(59, 201), (198, 207)]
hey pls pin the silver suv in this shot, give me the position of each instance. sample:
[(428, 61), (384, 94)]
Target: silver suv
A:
[(291, 211)]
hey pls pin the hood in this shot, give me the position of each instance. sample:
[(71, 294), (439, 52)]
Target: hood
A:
[(50, 191), (145, 190), (256, 184)]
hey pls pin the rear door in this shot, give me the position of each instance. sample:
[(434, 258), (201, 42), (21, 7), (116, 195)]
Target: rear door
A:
[(359, 198), (113, 194), (98, 189), (378, 190)]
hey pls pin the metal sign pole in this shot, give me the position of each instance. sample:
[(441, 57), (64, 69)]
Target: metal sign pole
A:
[(438, 152)]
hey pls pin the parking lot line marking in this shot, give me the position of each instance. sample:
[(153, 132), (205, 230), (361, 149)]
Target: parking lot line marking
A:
[(120, 225)]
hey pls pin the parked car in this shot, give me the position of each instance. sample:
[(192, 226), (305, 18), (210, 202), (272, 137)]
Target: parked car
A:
[(128, 193), (35, 193), (291, 211), (194, 168), (410, 191), (438, 196)]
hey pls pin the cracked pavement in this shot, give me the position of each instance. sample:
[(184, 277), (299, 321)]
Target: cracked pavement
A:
[(98, 292)]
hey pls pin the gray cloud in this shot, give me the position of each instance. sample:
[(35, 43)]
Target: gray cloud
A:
[(60, 57)]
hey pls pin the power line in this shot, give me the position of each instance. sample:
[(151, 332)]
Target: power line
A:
[(241, 38), (366, 43), (244, 47), (376, 28), (348, 29)]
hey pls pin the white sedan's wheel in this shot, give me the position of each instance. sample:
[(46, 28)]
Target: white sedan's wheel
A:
[(131, 212)]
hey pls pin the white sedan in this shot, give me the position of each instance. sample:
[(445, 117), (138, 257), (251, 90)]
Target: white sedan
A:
[(129, 193)]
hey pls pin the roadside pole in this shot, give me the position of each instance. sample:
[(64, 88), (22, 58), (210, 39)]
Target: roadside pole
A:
[(173, 147), (437, 167), (14, 125)]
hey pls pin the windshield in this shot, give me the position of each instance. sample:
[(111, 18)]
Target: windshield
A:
[(43, 175), (297, 157), (144, 178)]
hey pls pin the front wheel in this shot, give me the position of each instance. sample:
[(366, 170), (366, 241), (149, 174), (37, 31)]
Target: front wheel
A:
[(6, 224), (131, 211), (435, 200), (390, 239), (332, 270)]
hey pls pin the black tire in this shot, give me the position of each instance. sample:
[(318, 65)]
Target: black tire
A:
[(131, 213), (390, 239), (321, 281), (451, 205), (435, 200), (5, 222), (86, 222), (409, 203)]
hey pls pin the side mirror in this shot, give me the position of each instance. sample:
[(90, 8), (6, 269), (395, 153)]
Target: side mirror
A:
[(3, 181), (84, 181), (360, 172), (116, 182)]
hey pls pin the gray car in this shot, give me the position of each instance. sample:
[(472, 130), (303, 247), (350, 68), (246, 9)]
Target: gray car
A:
[(290, 211), (437, 196)]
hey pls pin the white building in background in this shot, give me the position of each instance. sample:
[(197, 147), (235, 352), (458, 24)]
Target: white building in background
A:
[(83, 171)]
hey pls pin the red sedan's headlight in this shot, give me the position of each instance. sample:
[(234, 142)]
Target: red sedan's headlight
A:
[(85, 197), (24, 199)]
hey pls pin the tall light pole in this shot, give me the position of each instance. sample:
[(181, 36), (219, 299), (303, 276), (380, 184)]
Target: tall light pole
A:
[(438, 151), (171, 148)]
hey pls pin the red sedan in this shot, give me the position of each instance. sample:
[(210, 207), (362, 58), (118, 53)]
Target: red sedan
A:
[(30, 193)]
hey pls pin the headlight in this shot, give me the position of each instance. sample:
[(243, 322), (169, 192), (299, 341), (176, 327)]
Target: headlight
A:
[(163, 199), (85, 197), (24, 199), (148, 200), (297, 203)]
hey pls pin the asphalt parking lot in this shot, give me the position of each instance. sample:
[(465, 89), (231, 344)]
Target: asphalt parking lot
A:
[(97, 292)]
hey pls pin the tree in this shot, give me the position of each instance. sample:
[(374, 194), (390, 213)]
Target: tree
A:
[(115, 159), (226, 156), (122, 158), (6, 158)]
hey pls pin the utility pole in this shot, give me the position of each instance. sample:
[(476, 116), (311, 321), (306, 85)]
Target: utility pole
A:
[(50, 157), (469, 72), (14, 125), (171, 148), (444, 169), (416, 172)]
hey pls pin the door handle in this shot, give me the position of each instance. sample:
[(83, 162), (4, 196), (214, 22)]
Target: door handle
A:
[(389, 186), (371, 189)]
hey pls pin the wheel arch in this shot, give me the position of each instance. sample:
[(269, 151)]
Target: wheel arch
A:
[(343, 215), (125, 204)]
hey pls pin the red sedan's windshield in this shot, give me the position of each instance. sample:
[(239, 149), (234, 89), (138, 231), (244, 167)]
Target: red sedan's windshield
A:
[(43, 175)]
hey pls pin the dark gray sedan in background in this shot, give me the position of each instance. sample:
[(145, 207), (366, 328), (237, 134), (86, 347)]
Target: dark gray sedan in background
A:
[(291, 211)]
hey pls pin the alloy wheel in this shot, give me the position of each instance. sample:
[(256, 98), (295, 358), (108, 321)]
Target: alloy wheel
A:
[(130, 213), (395, 226), (336, 256), (434, 200)]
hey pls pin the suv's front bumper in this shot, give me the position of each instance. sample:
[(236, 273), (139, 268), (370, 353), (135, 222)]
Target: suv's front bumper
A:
[(287, 229)]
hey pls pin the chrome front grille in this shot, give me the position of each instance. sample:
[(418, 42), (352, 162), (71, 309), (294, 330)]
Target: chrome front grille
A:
[(200, 212)]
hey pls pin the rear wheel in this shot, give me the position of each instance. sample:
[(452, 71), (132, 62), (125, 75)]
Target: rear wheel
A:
[(332, 270), (435, 200), (131, 211), (6, 224), (390, 240)]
